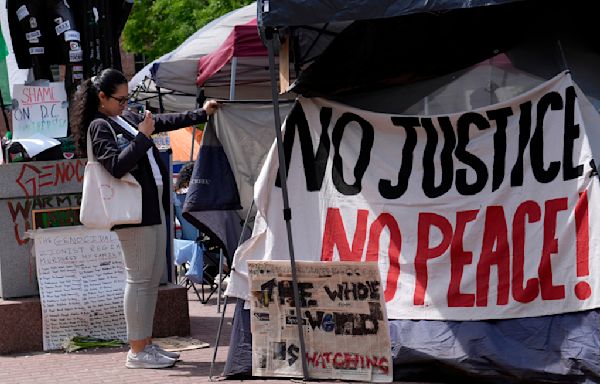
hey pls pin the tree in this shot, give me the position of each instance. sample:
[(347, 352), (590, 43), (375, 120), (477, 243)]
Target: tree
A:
[(156, 27)]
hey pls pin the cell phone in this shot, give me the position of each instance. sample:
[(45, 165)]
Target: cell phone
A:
[(137, 108)]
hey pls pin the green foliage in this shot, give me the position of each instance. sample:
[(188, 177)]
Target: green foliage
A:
[(156, 27), (81, 342)]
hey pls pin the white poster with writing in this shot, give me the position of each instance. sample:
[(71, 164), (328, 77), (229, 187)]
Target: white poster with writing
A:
[(39, 109), (343, 315), (485, 214), (81, 280)]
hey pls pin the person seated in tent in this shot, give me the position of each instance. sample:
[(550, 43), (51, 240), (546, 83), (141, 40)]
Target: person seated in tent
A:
[(188, 231)]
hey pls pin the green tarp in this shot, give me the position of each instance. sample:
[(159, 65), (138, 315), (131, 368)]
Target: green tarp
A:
[(4, 85)]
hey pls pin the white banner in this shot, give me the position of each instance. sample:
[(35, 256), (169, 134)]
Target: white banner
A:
[(484, 214), (39, 110)]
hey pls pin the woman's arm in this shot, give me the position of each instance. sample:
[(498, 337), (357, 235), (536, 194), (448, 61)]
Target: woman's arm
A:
[(106, 150), (164, 122)]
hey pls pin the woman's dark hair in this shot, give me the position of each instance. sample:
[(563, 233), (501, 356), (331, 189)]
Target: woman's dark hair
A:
[(85, 102), (184, 176)]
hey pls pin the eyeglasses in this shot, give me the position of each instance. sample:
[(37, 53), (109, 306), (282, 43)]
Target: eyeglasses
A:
[(121, 100)]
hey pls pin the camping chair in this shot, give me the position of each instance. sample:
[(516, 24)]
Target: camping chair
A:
[(197, 265), (189, 257)]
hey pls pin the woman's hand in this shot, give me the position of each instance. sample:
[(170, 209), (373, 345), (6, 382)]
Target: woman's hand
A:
[(147, 126), (210, 107)]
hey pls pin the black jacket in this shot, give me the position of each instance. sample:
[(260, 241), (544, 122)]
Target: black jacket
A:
[(134, 159)]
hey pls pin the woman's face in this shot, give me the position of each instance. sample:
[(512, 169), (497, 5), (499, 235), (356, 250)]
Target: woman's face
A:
[(114, 104)]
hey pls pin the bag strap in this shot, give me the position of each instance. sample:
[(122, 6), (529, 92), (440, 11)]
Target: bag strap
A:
[(90, 152), (129, 121)]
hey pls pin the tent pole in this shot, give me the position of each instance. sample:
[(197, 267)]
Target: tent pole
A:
[(220, 280), (199, 101), (193, 142), (161, 107), (234, 61), (225, 297), (219, 331), (563, 57), (287, 212), (4, 115)]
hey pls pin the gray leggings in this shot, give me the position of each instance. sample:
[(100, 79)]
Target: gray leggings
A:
[(144, 250)]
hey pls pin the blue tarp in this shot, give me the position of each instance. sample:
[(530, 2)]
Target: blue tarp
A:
[(549, 349)]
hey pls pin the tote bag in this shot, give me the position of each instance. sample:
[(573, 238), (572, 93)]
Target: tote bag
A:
[(107, 201)]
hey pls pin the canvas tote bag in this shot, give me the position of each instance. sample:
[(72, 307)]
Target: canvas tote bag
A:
[(106, 200)]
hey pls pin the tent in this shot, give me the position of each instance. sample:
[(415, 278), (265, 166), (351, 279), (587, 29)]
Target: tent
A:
[(428, 57), (240, 60), (180, 144), (234, 146), (228, 54), (175, 72), (205, 60)]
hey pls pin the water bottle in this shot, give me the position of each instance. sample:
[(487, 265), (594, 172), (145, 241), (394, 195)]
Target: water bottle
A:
[(4, 145)]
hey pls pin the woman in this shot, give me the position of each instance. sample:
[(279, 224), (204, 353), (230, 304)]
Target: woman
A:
[(121, 142)]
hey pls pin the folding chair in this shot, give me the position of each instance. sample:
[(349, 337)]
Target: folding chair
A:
[(196, 264), (213, 272)]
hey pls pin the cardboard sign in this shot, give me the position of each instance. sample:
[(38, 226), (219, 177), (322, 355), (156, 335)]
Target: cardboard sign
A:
[(39, 109), (343, 315), (486, 214)]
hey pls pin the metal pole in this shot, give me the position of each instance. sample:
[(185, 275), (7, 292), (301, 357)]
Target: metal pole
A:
[(563, 57), (220, 278), (287, 213), (4, 112), (212, 363), (193, 142), (199, 101), (214, 358), (161, 108), (234, 61)]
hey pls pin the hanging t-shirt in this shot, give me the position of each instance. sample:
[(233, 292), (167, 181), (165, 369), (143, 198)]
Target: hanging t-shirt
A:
[(155, 170)]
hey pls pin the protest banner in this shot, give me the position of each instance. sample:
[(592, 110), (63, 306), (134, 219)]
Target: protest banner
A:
[(485, 214), (81, 282), (39, 109), (343, 315)]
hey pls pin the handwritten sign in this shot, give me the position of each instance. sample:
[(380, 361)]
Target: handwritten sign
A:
[(81, 279), (39, 109), (343, 315)]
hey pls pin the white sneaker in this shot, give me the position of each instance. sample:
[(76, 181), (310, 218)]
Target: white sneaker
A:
[(148, 358), (172, 355)]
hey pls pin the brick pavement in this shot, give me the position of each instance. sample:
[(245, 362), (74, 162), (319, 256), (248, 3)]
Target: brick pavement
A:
[(106, 365)]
